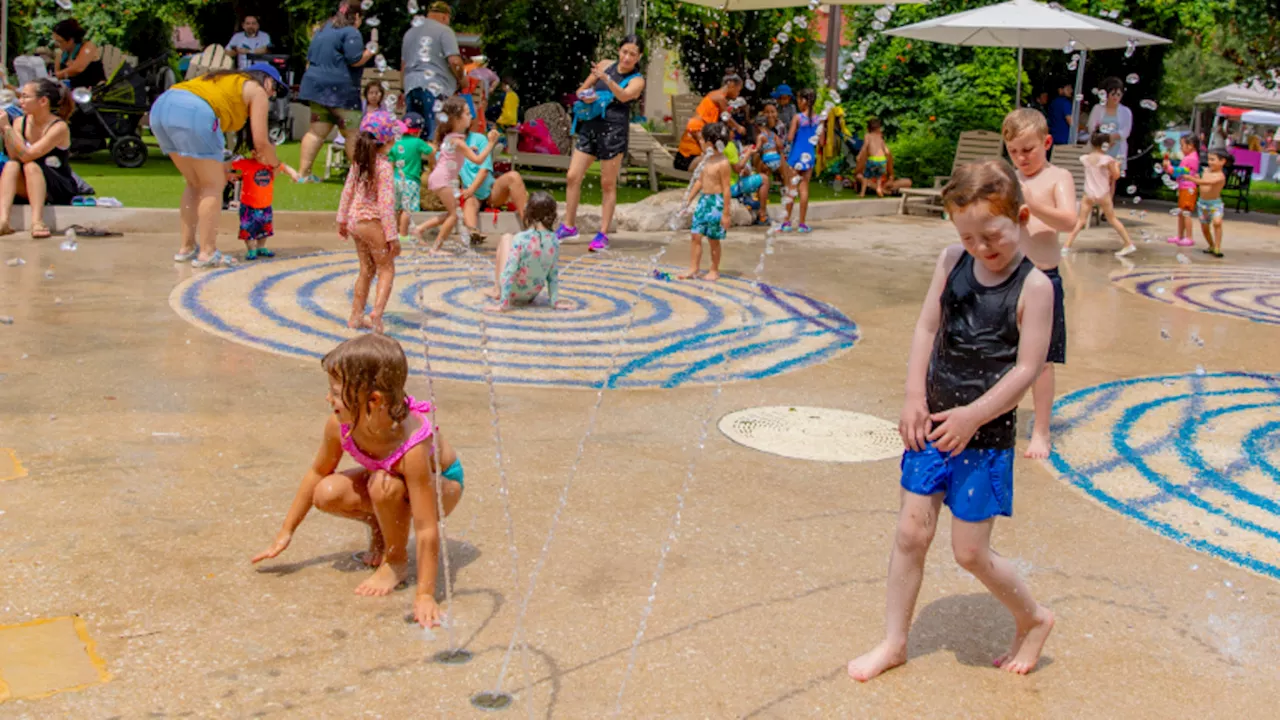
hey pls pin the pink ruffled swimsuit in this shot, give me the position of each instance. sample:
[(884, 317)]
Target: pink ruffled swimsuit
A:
[(422, 434)]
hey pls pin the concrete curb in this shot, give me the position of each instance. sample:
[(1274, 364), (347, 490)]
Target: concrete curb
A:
[(151, 220)]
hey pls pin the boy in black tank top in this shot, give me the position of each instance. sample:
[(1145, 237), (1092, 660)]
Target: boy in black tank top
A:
[(979, 345)]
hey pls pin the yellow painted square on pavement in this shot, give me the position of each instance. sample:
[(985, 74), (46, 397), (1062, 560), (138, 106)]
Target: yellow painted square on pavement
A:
[(47, 656), (10, 468)]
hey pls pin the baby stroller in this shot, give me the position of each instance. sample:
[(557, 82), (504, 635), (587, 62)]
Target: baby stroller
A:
[(111, 115)]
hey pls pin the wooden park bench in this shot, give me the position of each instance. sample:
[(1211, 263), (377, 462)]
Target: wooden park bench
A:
[(974, 145)]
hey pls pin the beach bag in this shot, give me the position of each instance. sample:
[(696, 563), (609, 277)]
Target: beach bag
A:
[(536, 138), (584, 111)]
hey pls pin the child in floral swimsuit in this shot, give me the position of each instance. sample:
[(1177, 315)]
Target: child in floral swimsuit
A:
[(527, 263)]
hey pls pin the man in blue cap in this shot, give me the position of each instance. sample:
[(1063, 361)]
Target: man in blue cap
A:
[(786, 108)]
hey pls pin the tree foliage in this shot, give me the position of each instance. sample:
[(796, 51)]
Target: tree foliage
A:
[(711, 41), (140, 27)]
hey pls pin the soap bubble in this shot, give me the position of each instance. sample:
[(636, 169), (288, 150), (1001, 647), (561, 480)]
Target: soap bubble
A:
[(766, 64), (82, 95), (751, 84), (435, 88), (1113, 14), (802, 22), (371, 46), (390, 103), (1200, 370), (1130, 48), (1079, 97), (366, 4), (1069, 48), (425, 41), (64, 4), (441, 117), (1131, 189), (1149, 104), (1126, 22), (1182, 259), (417, 21), (15, 262), (1164, 334), (883, 14), (372, 22), (844, 85), (48, 274), (725, 117), (412, 7), (786, 26), (773, 51), (782, 37), (380, 63), (877, 25), (1132, 78), (1175, 212)]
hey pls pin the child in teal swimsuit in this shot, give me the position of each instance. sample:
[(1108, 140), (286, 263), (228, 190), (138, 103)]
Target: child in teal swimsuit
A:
[(408, 470)]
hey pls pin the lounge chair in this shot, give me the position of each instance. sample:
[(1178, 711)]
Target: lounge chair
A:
[(213, 57), (974, 145), (645, 153), (682, 108)]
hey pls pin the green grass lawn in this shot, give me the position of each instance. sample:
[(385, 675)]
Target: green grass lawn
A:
[(158, 184)]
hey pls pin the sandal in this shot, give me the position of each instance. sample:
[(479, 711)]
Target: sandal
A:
[(251, 254), (265, 253), (39, 231), (217, 259)]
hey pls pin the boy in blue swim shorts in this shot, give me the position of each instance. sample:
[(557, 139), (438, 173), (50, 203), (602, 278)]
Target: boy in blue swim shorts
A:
[(711, 215), (979, 344)]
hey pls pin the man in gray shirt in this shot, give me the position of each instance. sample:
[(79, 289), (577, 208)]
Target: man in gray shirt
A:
[(249, 42), (431, 63)]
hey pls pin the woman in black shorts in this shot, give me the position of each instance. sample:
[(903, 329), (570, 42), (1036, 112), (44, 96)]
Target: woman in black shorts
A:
[(604, 139)]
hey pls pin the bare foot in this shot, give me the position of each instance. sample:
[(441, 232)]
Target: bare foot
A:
[(6, 230), (494, 294), (1039, 447), (355, 322), (688, 275), (386, 578), (712, 276), (1027, 645), (373, 321), (882, 657)]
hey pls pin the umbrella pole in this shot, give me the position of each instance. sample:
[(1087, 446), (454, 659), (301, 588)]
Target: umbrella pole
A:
[(834, 33), (1017, 98), (1075, 101)]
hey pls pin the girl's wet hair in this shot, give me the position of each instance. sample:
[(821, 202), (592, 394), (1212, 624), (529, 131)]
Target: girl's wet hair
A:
[(540, 209), (365, 159), (367, 364), (1099, 139), (369, 88), (452, 109), (990, 181), (809, 96)]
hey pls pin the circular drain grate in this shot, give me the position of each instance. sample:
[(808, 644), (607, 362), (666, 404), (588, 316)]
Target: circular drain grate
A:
[(809, 433)]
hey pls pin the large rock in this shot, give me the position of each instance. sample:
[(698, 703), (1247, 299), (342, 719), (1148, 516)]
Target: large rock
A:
[(654, 213)]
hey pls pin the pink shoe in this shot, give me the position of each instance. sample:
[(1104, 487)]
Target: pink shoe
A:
[(1173, 239), (1186, 242)]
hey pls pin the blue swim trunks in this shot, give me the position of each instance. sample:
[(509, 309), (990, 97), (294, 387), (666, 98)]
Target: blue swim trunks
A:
[(707, 217), (978, 484), (746, 186), (771, 159)]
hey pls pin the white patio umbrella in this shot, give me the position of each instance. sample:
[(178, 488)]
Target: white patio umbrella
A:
[(1028, 24), (775, 4)]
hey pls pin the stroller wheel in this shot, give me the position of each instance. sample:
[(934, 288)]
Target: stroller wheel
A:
[(129, 151), (277, 135)]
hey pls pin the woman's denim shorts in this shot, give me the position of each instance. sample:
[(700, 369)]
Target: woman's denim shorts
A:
[(184, 124)]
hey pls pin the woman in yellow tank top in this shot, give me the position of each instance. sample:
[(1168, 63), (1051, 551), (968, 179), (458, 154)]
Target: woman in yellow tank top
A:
[(189, 121)]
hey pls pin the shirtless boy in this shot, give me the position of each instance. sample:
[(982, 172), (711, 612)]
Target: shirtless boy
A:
[(874, 160), (1210, 207), (711, 216), (1050, 193)]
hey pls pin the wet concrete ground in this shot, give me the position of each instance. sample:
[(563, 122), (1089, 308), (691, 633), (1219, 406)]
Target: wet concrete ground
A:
[(159, 457)]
